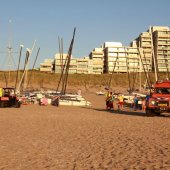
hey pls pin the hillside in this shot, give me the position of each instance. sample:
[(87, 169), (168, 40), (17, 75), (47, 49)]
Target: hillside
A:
[(40, 80)]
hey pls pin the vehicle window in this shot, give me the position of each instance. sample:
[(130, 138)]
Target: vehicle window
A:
[(163, 90)]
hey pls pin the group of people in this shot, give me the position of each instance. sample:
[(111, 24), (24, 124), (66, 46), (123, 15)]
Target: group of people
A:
[(113, 101), (138, 103)]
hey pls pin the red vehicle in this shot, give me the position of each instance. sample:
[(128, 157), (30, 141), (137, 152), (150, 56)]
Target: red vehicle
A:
[(159, 100), (8, 98)]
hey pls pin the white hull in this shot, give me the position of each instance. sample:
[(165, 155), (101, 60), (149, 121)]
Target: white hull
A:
[(74, 103)]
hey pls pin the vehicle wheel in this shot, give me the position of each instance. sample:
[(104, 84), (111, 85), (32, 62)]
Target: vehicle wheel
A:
[(56, 102), (150, 113), (18, 105), (2, 105), (158, 113)]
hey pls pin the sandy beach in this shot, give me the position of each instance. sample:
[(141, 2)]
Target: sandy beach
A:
[(37, 137)]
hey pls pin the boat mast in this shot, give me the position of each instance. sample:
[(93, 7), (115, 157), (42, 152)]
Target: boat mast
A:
[(153, 56), (166, 61), (65, 67), (110, 81)]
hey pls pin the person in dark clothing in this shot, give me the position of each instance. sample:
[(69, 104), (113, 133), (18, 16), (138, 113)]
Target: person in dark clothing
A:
[(135, 101)]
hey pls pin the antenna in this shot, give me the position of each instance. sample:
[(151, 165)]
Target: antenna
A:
[(9, 50), (10, 60)]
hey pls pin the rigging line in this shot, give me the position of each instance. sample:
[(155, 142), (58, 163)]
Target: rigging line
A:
[(62, 73), (135, 73), (68, 64), (33, 67), (6, 82), (166, 62), (127, 64), (3, 64), (147, 68), (18, 68), (109, 84), (59, 48), (153, 57), (144, 70), (19, 86)]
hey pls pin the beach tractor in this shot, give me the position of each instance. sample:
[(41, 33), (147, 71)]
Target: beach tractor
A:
[(159, 99), (8, 98)]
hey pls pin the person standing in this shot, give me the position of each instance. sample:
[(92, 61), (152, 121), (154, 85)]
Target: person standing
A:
[(109, 101), (143, 104), (120, 103), (135, 101), (107, 98)]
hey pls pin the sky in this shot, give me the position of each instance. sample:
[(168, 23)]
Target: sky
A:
[(96, 21)]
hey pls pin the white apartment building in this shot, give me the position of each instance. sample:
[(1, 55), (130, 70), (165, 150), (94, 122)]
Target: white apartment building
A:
[(161, 41), (97, 57), (77, 65), (150, 50), (60, 62), (144, 42), (47, 65), (155, 48), (84, 66), (119, 58)]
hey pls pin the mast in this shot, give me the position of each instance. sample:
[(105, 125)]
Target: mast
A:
[(146, 75), (166, 62), (27, 66), (65, 67), (33, 67), (64, 85), (110, 81), (26, 59), (9, 50), (153, 56), (21, 46), (127, 64)]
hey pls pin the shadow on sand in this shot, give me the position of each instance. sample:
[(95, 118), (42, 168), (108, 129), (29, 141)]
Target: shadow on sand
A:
[(124, 112), (129, 112)]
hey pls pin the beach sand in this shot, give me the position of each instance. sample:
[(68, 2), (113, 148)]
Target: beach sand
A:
[(37, 137)]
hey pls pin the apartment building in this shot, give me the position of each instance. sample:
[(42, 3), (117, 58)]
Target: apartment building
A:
[(77, 65), (154, 48), (133, 59), (97, 57), (161, 41), (118, 58), (60, 61), (149, 51), (84, 65), (144, 42), (47, 65)]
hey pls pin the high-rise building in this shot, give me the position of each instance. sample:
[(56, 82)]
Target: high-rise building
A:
[(144, 42), (161, 43), (154, 48)]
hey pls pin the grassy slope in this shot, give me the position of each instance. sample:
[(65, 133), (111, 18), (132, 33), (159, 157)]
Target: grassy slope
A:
[(50, 81)]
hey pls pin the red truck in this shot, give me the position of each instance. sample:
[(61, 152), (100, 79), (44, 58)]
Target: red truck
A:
[(159, 99)]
